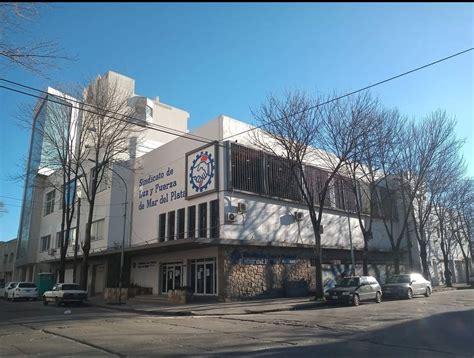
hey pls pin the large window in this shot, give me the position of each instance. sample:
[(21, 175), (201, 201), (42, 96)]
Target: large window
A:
[(161, 227), (171, 225), (97, 230), (181, 218), (384, 204), (344, 194), (58, 239), (49, 204), (281, 181), (202, 220), (248, 169), (316, 179), (191, 222), (45, 242), (215, 219), (103, 183)]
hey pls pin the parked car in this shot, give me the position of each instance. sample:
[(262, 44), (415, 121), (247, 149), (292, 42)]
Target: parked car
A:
[(354, 289), (9, 286), (62, 293), (406, 286), (26, 290)]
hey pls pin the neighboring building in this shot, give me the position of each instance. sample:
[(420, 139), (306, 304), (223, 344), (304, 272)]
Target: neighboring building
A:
[(219, 216), (7, 260)]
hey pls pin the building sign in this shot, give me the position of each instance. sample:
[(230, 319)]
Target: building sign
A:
[(201, 171), (158, 189)]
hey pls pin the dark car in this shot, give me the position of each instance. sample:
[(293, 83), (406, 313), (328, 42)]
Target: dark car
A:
[(406, 286), (354, 289)]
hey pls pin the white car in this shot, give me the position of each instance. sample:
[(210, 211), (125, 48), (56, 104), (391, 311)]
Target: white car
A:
[(9, 286), (26, 290), (65, 293)]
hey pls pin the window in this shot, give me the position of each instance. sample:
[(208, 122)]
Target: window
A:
[(68, 193), (58, 240), (12, 255), (202, 220), (171, 225), (344, 194), (5, 258), (215, 219), (102, 175), (149, 111), (161, 227), (281, 180), (45, 242), (385, 200), (191, 222), (97, 230), (316, 179), (180, 234), (49, 204), (248, 169), (72, 236)]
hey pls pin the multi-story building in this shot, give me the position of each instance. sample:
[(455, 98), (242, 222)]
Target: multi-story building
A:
[(217, 215), (7, 260)]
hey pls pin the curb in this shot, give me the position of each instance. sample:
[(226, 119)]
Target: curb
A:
[(301, 306)]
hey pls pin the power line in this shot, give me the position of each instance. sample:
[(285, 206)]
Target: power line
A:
[(187, 136), (71, 99), (351, 93)]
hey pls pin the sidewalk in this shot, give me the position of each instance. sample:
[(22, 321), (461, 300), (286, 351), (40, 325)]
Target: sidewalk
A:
[(164, 308), (214, 308)]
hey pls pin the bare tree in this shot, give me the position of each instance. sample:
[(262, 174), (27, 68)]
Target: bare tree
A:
[(55, 122), (463, 218), (107, 130), (365, 174), (34, 56), (301, 131), (419, 147), (442, 170)]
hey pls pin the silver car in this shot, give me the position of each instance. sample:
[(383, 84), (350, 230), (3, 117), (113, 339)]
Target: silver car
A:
[(406, 286)]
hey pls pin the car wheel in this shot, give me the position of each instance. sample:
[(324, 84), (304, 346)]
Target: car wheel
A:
[(378, 297), (409, 293), (428, 291), (356, 300), (45, 301), (57, 302)]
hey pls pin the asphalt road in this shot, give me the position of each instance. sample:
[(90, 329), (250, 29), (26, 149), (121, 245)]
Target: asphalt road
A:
[(439, 326)]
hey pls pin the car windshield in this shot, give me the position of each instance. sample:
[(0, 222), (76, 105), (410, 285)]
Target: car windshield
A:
[(70, 287), (27, 285), (348, 282), (12, 284), (399, 279)]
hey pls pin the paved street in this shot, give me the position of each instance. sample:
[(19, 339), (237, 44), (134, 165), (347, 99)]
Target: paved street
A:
[(441, 325)]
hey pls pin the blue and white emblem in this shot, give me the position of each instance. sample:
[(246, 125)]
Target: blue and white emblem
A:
[(201, 171)]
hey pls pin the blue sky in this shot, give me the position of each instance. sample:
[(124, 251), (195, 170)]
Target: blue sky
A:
[(212, 59)]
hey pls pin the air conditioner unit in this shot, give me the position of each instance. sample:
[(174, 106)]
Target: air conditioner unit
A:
[(242, 208), (52, 251), (231, 217), (299, 216)]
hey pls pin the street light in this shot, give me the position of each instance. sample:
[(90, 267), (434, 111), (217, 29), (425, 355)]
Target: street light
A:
[(122, 253)]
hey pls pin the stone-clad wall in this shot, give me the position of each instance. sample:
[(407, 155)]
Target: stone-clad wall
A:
[(253, 273)]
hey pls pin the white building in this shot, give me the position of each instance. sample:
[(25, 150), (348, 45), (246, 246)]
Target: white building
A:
[(213, 214)]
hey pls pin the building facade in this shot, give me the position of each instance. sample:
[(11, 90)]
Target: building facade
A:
[(216, 215), (7, 260)]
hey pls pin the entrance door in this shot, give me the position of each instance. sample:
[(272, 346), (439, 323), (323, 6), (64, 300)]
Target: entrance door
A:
[(172, 277), (203, 276)]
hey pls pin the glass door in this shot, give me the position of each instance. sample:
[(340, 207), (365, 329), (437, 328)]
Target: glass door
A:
[(203, 276), (171, 277)]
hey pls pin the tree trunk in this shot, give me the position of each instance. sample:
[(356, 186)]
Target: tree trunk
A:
[(86, 249), (466, 262), (319, 270), (396, 261), (365, 254), (424, 260)]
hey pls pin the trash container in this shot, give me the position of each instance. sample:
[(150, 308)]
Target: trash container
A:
[(45, 282)]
